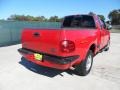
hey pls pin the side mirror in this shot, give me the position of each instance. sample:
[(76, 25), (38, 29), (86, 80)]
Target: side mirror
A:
[(109, 27)]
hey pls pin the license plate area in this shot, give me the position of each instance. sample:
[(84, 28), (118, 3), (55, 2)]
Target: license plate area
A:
[(38, 56)]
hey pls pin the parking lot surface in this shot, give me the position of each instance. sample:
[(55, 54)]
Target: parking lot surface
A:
[(18, 74)]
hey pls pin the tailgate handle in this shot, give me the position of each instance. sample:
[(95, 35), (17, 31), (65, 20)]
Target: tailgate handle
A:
[(36, 34)]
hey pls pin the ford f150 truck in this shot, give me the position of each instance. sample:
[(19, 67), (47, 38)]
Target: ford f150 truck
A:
[(72, 46)]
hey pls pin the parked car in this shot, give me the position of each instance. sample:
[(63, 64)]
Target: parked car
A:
[(72, 46)]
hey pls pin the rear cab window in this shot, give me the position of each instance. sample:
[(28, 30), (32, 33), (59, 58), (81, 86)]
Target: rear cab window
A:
[(79, 21)]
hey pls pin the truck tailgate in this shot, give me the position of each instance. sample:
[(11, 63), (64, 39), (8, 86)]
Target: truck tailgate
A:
[(41, 40)]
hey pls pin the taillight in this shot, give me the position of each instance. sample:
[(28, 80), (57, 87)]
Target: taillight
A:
[(67, 46)]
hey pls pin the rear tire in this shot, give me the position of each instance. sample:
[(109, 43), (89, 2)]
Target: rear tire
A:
[(85, 66)]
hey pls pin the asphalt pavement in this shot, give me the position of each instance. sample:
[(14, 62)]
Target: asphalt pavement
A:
[(16, 73)]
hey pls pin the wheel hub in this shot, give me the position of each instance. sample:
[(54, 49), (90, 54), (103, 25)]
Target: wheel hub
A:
[(89, 62)]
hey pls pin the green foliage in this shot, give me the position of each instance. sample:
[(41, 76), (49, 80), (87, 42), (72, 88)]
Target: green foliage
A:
[(55, 19), (31, 18), (102, 17), (114, 16), (91, 13)]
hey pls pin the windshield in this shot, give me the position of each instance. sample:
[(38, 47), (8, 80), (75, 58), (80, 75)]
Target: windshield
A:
[(81, 21)]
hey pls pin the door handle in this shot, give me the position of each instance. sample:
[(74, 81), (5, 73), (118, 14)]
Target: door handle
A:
[(36, 34)]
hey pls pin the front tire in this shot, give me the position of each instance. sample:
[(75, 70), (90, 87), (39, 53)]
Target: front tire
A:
[(85, 66), (108, 46)]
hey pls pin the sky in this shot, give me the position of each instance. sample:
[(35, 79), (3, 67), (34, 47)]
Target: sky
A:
[(60, 8)]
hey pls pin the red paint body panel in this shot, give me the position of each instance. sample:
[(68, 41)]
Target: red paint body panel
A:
[(48, 42)]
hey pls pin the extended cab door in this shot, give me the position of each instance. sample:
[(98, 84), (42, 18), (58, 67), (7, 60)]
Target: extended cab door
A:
[(104, 34), (101, 38)]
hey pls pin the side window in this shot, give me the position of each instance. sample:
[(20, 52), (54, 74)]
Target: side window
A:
[(102, 23), (99, 22)]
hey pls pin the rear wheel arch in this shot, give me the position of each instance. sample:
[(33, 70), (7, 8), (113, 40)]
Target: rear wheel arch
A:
[(92, 48), (85, 66)]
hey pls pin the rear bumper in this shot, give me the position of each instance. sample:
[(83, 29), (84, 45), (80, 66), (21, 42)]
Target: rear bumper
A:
[(49, 60)]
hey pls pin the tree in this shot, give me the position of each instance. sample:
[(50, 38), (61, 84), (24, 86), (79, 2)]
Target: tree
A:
[(29, 18), (91, 13), (32, 18), (101, 17), (39, 18), (53, 19), (114, 16), (18, 18)]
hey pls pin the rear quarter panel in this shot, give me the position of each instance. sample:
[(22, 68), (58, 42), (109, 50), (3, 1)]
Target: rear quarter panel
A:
[(83, 39)]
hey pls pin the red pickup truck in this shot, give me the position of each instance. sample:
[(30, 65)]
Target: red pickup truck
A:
[(72, 46)]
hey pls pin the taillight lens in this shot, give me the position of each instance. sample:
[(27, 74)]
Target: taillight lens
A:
[(67, 46)]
